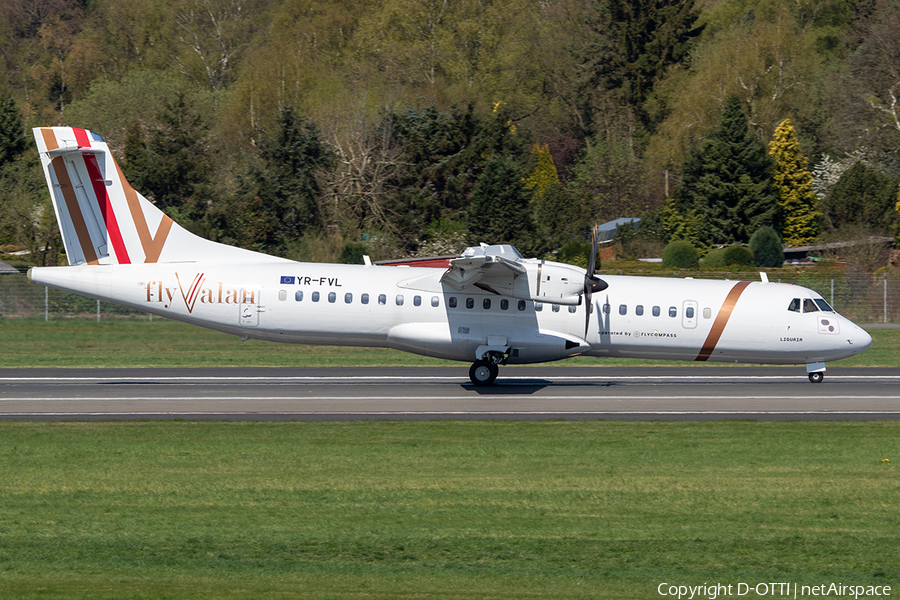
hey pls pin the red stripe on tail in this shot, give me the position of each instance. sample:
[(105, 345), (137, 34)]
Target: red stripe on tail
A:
[(81, 137), (109, 217)]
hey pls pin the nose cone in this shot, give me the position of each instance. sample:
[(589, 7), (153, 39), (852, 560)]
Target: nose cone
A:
[(860, 338)]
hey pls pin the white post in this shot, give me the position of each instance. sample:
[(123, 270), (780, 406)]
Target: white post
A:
[(46, 304), (885, 297), (98, 311), (832, 292)]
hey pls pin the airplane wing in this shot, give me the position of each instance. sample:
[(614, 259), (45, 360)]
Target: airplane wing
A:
[(487, 272), (503, 271)]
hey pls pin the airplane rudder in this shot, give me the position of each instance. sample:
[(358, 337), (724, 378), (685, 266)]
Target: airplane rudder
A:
[(81, 174), (83, 237)]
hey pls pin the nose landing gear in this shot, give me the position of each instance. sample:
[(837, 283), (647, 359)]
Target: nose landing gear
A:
[(816, 372)]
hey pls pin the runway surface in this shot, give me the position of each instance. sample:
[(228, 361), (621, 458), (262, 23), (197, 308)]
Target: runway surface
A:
[(521, 393)]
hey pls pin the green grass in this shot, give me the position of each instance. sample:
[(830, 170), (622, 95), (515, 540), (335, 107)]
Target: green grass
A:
[(164, 343), (442, 509)]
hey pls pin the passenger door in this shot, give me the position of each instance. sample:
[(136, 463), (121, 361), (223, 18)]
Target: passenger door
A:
[(689, 314)]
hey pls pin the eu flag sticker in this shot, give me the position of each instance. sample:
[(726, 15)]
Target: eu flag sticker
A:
[(287, 279)]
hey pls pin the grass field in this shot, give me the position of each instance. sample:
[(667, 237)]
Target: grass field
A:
[(166, 343), (442, 509)]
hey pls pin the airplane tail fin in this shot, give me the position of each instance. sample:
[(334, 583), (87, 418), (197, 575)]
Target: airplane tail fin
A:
[(102, 219)]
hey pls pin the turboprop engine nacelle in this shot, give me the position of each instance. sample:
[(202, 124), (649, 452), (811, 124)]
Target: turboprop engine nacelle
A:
[(552, 282)]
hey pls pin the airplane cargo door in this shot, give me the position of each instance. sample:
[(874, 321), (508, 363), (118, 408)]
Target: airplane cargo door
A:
[(250, 308), (689, 314)]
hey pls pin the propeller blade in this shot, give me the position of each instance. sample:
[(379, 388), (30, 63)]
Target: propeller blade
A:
[(588, 308), (592, 283), (592, 262)]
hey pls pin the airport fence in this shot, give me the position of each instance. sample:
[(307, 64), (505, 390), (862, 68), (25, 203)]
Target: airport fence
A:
[(21, 299), (862, 297)]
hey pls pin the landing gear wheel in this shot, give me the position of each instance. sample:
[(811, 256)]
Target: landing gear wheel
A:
[(816, 377), (483, 372)]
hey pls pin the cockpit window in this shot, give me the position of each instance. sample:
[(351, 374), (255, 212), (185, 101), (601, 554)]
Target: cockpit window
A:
[(794, 305), (809, 305), (824, 305)]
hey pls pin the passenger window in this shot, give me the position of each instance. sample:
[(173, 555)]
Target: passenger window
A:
[(486, 304), (538, 306), (282, 295), (623, 309), (794, 306), (348, 298), (521, 305), (504, 304), (382, 299), (451, 302), (332, 296), (315, 297), (364, 298), (298, 296), (809, 306), (399, 300), (470, 302), (655, 311), (673, 312), (707, 313), (435, 301), (417, 300), (689, 312), (572, 309), (606, 309), (555, 307), (639, 310)]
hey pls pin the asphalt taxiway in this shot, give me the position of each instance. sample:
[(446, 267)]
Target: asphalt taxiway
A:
[(521, 393)]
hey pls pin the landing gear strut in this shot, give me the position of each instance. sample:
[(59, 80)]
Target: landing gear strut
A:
[(816, 377), (483, 372)]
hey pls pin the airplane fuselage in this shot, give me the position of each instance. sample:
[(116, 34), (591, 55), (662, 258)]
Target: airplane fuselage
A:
[(410, 309)]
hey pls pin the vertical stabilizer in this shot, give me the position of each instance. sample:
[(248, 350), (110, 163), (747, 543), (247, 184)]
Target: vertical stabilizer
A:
[(102, 219)]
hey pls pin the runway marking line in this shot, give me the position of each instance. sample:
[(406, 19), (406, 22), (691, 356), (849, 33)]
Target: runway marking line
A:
[(477, 413), (417, 399)]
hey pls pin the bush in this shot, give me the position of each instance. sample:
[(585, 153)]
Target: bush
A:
[(680, 253), (738, 255), (714, 259), (767, 248)]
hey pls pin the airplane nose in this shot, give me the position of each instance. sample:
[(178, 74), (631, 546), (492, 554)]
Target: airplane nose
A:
[(859, 338), (862, 339)]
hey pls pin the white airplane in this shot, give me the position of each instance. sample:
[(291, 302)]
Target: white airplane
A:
[(489, 306)]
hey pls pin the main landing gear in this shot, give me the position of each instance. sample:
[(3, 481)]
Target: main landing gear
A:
[(816, 377), (484, 370)]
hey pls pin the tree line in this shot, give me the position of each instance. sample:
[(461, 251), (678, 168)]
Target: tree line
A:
[(323, 129)]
